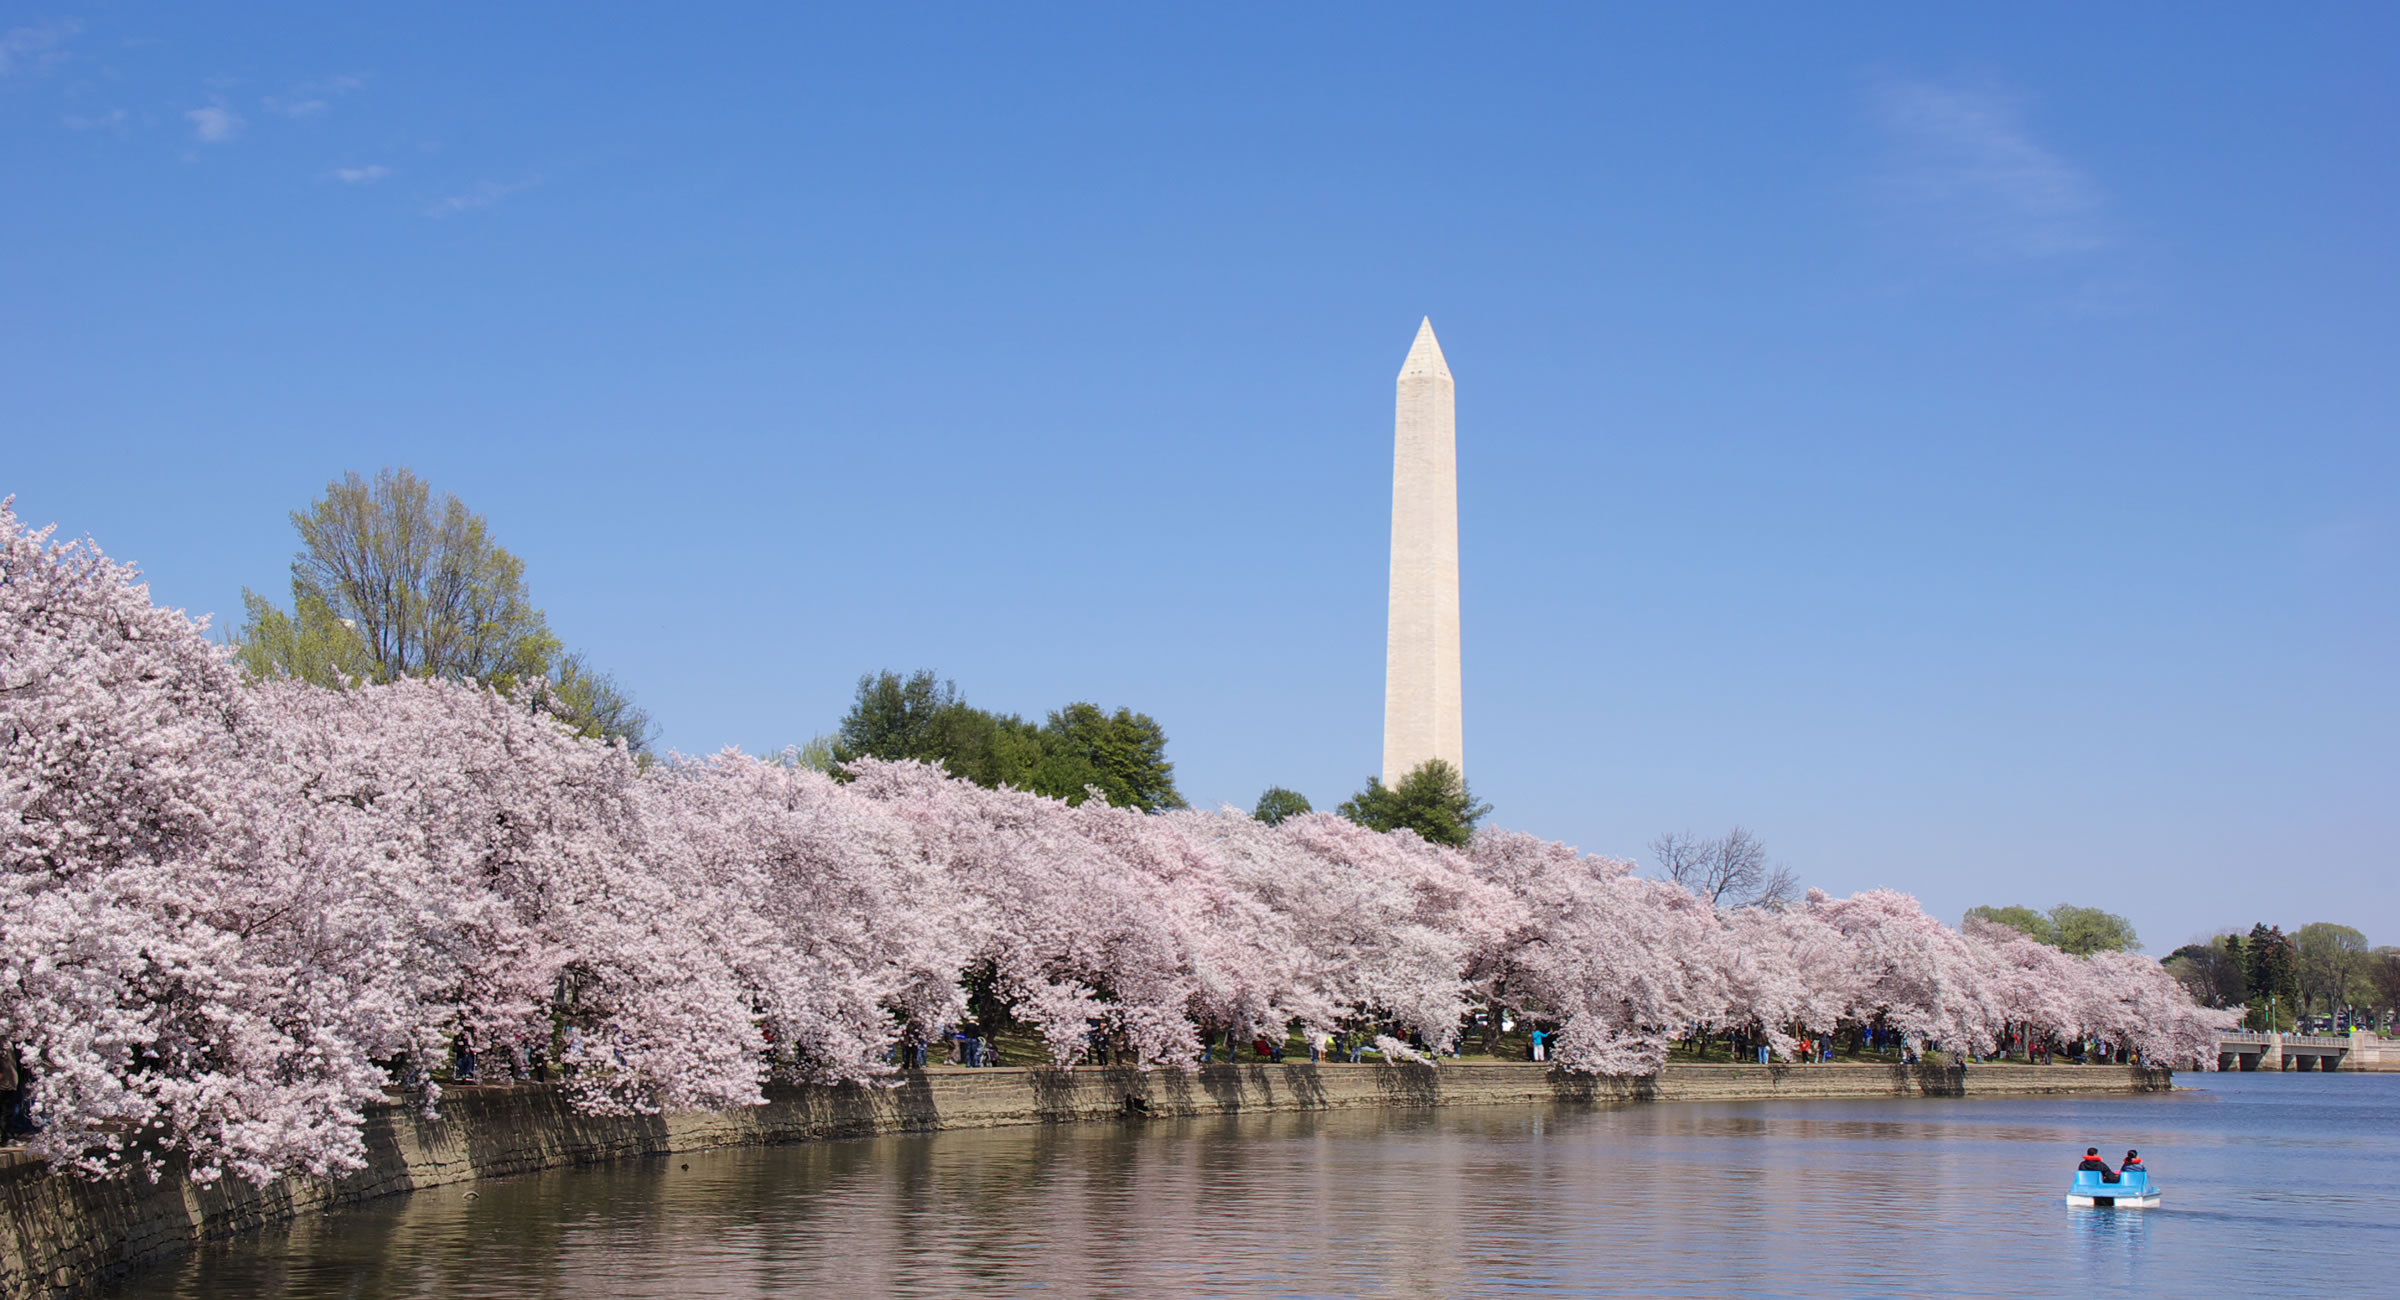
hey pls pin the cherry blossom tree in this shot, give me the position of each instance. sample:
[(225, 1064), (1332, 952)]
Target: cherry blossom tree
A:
[(2136, 1004), (1381, 923), (2036, 988), (1074, 944), (528, 907), (1908, 971), (152, 962), (1603, 952), (1779, 973), (838, 928), (232, 917)]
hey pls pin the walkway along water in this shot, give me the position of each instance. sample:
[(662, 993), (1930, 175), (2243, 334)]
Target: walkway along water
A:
[(2354, 1051), (63, 1234)]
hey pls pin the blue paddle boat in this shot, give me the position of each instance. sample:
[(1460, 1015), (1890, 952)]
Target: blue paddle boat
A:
[(2133, 1190)]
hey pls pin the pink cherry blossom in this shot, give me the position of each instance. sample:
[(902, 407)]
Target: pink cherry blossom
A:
[(232, 916)]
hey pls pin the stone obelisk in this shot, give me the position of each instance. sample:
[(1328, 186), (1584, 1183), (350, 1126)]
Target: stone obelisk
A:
[(1420, 672)]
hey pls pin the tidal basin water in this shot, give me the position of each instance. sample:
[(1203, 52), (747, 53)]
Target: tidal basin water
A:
[(2282, 1183)]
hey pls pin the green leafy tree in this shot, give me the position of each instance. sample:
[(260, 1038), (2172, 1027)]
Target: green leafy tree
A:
[(2272, 968), (2087, 930), (592, 703), (816, 755), (1432, 800), (311, 643), (2024, 920), (1079, 748), (2332, 964), (2383, 978), (392, 583), (901, 718), (2066, 927), (1122, 754), (2211, 971), (421, 583), (924, 718), (1279, 805)]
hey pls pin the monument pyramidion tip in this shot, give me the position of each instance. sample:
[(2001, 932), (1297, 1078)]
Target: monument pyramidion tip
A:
[(1425, 355)]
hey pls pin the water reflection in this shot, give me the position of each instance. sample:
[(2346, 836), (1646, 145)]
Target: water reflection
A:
[(1801, 1199), (2111, 1239)]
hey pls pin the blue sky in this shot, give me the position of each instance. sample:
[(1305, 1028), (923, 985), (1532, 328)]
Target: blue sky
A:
[(1960, 449)]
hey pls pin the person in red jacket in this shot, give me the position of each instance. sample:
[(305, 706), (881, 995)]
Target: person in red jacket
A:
[(2093, 1163), (2133, 1164)]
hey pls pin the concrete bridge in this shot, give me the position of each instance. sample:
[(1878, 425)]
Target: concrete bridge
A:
[(2246, 1050)]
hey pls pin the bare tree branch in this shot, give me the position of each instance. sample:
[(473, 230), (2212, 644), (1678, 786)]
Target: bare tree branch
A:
[(1684, 858), (1778, 891), (1729, 872)]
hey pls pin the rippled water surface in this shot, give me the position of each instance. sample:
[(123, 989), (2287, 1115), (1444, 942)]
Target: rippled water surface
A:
[(2273, 1182)]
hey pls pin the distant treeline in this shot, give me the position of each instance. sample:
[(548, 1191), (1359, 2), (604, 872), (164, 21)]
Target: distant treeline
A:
[(2323, 969)]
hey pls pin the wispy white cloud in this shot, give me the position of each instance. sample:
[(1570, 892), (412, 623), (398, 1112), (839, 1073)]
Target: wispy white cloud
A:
[(214, 124), (366, 175), (481, 196), (311, 98), (36, 45), (1966, 161)]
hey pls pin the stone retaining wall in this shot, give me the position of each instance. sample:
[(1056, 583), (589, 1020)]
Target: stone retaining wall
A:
[(2373, 1053), (63, 1234)]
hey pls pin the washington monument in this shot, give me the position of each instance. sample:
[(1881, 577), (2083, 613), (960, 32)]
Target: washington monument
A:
[(1420, 671)]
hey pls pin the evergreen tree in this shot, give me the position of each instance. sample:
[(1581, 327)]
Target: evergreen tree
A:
[(1278, 805), (1122, 754), (1079, 748), (1433, 801), (2272, 967)]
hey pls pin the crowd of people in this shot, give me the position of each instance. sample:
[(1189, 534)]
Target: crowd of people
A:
[(232, 916)]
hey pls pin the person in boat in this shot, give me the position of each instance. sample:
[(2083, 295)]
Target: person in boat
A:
[(2094, 1164), (2133, 1165)]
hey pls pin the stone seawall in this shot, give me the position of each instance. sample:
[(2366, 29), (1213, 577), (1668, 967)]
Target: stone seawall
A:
[(62, 1234), (2372, 1053)]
